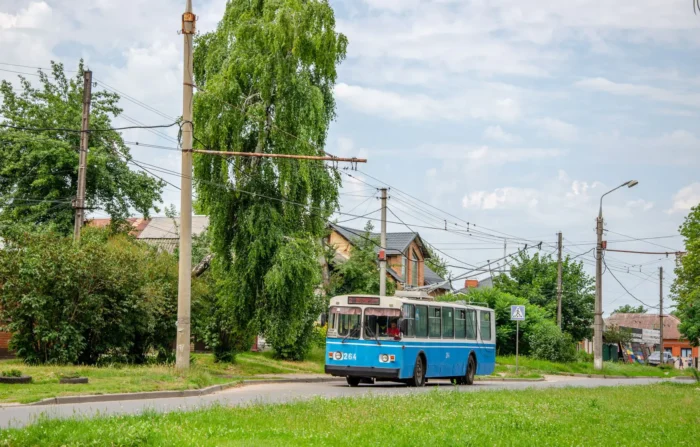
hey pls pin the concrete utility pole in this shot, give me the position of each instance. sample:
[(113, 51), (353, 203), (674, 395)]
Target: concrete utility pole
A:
[(661, 314), (182, 352), (382, 249), (79, 203), (598, 322), (559, 279)]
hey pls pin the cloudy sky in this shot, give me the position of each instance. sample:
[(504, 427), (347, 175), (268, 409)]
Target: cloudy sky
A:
[(514, 116)]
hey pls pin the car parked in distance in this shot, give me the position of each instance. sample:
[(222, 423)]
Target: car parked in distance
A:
[(654, 358)]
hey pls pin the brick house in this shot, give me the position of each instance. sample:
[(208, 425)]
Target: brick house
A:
[(405, 254), (673, 341)]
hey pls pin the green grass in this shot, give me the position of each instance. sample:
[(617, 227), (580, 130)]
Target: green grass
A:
[(553, 417), (128, 379), (527, 365)]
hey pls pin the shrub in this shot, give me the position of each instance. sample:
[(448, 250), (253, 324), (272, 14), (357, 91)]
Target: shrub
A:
[(320, 335), (547, 342), (584, 357), (107, 297), (69, 375), (12, 373)]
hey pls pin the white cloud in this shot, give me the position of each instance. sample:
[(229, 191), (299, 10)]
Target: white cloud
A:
[(640, 204), (496, 133), (557, 129), (685, 199), (642, 91), (395, 106), (508, 197)]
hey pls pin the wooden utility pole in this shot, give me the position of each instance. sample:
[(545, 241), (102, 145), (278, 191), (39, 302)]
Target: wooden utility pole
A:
[(661, 315), (79, 202), (382, 248), (559, 280), (182, 351)]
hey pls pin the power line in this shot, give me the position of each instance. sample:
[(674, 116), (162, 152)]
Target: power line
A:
[(111, 129), (628, 292), (645, 240)]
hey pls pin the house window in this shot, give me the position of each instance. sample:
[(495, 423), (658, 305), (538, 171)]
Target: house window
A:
[(686, 352), (403, 267), (414, 268)]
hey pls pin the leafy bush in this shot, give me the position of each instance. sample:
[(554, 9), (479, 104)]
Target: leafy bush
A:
[(547, 342), (109, 297), (12, 373), (320, 335), (584, 357)]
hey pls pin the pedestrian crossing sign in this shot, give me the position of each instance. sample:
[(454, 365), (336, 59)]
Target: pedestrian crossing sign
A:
[(517, 313)]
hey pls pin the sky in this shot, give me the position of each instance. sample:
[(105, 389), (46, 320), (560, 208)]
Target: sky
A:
[(503, 122)]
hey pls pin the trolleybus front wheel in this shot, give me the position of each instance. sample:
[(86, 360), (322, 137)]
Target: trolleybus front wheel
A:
[(418, 378), (353, 381)]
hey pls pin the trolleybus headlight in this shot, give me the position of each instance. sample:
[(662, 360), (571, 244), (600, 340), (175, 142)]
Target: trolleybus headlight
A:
[(338, 355), (384, 358)]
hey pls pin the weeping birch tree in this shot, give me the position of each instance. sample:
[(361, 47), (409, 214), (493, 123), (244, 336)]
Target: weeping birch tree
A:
[(265, 82)]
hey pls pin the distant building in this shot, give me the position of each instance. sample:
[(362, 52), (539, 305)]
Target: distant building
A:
[(472, 284), (405, 254), (673, 341)]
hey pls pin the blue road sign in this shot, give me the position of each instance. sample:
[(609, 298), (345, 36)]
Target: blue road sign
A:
[(517, 313)]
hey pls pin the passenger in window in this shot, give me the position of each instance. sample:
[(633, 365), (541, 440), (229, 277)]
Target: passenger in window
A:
[(393, 330)]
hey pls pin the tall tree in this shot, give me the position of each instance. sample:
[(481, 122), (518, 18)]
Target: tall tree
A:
[(629, 309), (535, 279), (39, 169), (686, 287), (266, 79), (436, 263)]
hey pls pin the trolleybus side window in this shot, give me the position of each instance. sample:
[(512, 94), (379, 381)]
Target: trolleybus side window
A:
[(471, 324), (345, 321), (434, 321), (421, 321), (485, 325), (410, 317), (460, 323), (447, 322)]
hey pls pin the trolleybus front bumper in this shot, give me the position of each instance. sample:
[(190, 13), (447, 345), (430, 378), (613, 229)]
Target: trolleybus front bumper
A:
[(362, 371)]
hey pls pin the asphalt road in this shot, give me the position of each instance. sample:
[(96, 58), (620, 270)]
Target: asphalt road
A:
[(18, 416)]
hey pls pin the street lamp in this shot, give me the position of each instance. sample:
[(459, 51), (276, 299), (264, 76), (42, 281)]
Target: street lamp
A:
[(598, 322)]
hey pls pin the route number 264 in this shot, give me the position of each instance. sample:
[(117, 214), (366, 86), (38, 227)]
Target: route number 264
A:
[(349, 356)]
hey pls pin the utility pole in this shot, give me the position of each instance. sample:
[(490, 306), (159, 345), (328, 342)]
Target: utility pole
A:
[(79, 203), (182, 352), (598, 322), (559, 285), (661, 315), (382, 248)]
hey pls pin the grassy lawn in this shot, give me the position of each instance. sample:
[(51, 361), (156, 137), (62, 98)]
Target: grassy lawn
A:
[(124, 379), (553, 417), (527, 365)]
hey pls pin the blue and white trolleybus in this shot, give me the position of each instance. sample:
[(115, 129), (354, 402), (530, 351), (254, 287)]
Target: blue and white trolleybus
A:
[(408, 339)]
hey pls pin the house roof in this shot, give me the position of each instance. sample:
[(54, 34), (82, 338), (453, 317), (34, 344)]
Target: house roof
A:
[(396, 243), (646, 321), (168, 228), (137, 223), (486, 283), (430, 277)]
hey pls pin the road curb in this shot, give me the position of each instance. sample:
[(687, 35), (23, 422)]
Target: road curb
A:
[(605, 376), (507, 379), (94, 398)]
